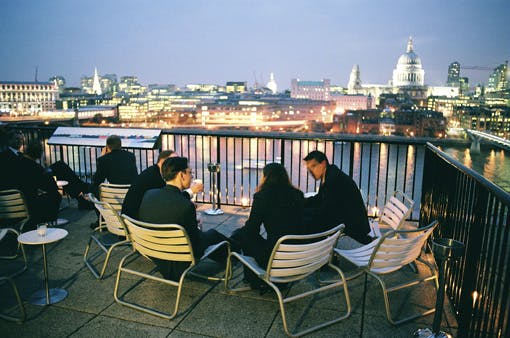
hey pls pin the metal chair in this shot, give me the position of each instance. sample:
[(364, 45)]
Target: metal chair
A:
[(106, 241), (294, 258), (9, 278), (396, 211), (13, 208), (165, 242), (389, 253), (114, 195)]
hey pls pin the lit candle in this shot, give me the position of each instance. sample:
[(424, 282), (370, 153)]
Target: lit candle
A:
[(244, 202)]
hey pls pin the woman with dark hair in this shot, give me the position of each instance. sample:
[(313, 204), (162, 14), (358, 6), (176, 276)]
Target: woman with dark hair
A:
[(277, 205)]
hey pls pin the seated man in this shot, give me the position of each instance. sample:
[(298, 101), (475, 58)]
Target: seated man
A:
[(168, 206), (115, 165), (338, 200), (148, 179)]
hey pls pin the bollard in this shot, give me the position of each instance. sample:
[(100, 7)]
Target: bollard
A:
[(214, 170), (444, 250)]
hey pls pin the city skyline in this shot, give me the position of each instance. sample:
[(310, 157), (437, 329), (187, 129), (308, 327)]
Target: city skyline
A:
[(217, 41)]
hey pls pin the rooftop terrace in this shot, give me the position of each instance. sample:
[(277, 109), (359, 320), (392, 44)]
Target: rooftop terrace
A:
[(206, 309)]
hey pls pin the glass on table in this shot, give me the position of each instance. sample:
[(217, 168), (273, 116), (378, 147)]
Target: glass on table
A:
[(42, 229)]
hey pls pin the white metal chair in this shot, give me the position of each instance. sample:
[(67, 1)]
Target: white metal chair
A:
[(114, 195), (106, 241), (396, 211), (13, 208), (389, 253), (9, 278), (294, 258), (165, 242)]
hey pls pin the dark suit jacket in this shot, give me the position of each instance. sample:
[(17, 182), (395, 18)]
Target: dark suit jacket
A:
[(169, 206), (118, 167), (280, 210), (148, 179), (338, 201)]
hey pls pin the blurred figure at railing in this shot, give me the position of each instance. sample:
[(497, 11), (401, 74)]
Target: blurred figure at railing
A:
[(279, 206), (338, 200)]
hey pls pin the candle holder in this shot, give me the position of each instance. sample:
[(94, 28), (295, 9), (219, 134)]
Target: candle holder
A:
[(214, 171)]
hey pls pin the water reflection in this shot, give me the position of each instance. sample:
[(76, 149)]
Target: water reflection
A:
[(492, 163)]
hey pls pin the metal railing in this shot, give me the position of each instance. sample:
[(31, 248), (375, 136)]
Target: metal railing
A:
[(472, 210), (379, 165), (469, 208)]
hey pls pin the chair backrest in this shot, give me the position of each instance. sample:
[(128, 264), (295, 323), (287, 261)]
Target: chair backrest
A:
[(398, 248), (12, 205), (114, 223), (163, 241), (113, 194), (396, 210), (296, 256)]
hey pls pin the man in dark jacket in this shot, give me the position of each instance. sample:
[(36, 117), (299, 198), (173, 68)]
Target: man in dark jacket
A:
[(115, 165), (337, 201), (148, 179), (168, 205)]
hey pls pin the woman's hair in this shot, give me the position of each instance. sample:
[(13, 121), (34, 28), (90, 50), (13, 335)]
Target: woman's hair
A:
[(275, 174)]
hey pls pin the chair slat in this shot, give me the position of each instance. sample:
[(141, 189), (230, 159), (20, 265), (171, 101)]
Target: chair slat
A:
[(302, 270), (161, 254)]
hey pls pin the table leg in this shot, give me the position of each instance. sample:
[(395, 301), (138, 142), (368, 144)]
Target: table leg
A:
[(47, 296)]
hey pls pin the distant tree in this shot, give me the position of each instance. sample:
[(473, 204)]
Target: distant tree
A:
[(97, 118)]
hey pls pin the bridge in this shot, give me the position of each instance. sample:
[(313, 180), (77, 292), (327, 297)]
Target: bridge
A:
[(476, 136)]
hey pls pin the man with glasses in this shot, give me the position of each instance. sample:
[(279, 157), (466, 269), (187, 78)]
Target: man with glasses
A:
[(168, 205), (337, 201)]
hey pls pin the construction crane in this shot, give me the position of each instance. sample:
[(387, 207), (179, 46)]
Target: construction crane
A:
[(477, 67)]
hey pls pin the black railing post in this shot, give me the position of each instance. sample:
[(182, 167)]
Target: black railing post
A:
[(471, 263)]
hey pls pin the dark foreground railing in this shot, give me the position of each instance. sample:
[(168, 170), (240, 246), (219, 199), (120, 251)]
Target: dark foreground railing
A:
[(474, 211), (379, 165)]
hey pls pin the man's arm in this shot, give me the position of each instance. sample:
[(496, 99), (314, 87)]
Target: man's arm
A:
[(99, 175)]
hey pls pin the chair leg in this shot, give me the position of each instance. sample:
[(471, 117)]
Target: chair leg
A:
[(282, 301), (21, 307), (120, 300), (88, 260), (386, 292)]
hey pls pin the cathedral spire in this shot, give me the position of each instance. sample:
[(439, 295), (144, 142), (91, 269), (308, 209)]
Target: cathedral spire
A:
[(410, 44), (96, 86)]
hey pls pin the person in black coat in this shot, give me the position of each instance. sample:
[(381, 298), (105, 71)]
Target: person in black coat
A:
[(168, 205), (337, 201), (279, 207), (148, 179), (115, 165)]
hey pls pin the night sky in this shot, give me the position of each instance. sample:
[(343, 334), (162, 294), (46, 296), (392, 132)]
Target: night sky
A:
[(214, 41)]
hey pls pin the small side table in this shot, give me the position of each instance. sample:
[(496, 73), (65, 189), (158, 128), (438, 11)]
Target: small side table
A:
[(46, 296)]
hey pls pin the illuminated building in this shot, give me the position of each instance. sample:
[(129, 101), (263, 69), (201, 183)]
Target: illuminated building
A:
[(129, 85), (453, 74), (354, 84), (409, 71), (96, 86), (236, 87), (27, 98), (312, 90), (271, 85), (498, 80), (352, 102)]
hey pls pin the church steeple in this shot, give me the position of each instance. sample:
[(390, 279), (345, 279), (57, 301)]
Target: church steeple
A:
[(96, 86), (410, 44)]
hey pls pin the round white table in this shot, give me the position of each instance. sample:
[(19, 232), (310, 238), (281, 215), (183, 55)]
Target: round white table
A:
[(46, 296)]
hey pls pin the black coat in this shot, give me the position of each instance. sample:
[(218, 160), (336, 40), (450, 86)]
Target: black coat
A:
[(118, 167), (280, 210), (169, 206), (338, 201), (148, 179)]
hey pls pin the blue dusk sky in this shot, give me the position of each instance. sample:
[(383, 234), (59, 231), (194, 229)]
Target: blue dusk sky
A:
[(214, 41)]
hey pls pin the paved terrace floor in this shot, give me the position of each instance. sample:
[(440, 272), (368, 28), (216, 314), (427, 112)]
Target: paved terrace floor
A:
[(206, 309)]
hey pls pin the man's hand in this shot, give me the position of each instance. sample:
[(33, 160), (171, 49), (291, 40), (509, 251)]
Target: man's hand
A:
[(105, 151), (197, 186)]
